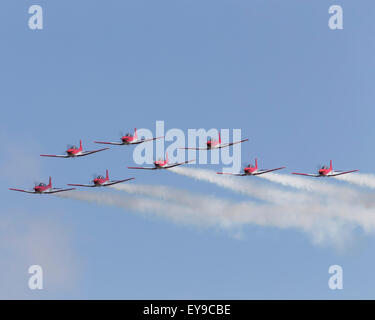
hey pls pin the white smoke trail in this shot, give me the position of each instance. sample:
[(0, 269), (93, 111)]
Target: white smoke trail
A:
[(265, 193), (322, 227), (328, 222), (162, 192), (143, 205), (297, 182), (194, 202), (319, 187), (209, 203), (356, 208), (310, 192), (360, 179)]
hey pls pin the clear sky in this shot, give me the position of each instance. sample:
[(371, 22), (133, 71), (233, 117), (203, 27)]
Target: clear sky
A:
[(302, 93)]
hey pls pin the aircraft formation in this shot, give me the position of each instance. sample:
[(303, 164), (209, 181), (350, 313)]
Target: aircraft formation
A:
[(129, 139)]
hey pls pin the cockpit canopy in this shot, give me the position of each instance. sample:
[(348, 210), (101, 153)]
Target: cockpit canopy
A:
[(100, 177), (41, 184), (250, 165), (325, 167)]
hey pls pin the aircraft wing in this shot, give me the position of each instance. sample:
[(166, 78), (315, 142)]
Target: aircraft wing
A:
[(55, 155), (82, 185), (20, 190), (111, 183), (58, 190), (177, 164), (339, 173), (262, 171), (219, 147), (231, 144), (112, 143), (145, 140), (232, 174), (306, 174), (144, 168), (85, 153)]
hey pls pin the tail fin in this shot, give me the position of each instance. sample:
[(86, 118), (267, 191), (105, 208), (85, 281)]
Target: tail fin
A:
[(106, 174), (219, 137), (50, 181), (256, 163), (80, 144), (135, 133), (330, 164)]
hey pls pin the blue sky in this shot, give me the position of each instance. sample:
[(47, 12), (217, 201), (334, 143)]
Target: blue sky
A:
[(299, 91)]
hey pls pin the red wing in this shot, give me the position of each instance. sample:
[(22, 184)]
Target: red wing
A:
[(177, 164), (112, 143), (267, 170), (81, 185), (55, 155), (144, 168), (337, 173), (232, 174), (145, 140), (85, 153), (59, 190), (117, 181), (20, 190), (306, 174), (232, 143)]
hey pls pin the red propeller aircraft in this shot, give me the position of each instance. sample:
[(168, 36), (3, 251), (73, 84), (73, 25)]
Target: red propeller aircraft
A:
[(100, 181), (161, 164), (43, 188), (326, 171), (252, 170), (129, 139), (215, 144), (73, 152)]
